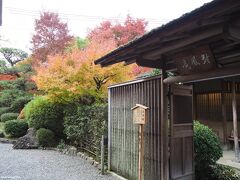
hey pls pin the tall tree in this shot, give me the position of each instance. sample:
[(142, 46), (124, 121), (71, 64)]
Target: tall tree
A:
[(122, 33), (66, 77), (12, 55), (51, 36)]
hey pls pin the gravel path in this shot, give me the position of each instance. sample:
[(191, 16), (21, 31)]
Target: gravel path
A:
[(44, 165)]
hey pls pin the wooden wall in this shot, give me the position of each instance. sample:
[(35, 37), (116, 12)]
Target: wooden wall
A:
[(123, 134), (209, 106), (208, 109)]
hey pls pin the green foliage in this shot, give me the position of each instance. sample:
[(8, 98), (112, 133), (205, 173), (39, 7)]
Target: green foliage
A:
[(61, 144), (221, 172), (4, 110), (19, 103), (207, 150), (3, 66), (155, 72), (13, 55), (1, 127), (41, 113), (78, 43), (12, 90), (86, 123), (16, 128), (8, 116), (45, 137)]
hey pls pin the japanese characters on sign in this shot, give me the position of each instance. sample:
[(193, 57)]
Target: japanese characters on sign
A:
[(195, 60), (139, 114)]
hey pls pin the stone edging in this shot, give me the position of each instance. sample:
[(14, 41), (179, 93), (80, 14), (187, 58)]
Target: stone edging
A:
[(72, 151), (8, 141)]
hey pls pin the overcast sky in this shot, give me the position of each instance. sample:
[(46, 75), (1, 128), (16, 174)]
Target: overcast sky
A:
[(19, 15)]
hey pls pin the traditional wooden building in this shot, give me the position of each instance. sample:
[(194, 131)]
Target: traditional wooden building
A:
[(213, 107), (200, 46)]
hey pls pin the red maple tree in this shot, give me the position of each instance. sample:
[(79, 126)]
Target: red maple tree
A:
[(51, 36), (122, 33)]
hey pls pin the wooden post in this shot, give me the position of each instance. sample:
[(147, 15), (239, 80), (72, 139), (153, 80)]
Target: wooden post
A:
[(141, 152), (235, 128), (164, 129), (109, 129), (102, 155), (194, 103), (224, 118)]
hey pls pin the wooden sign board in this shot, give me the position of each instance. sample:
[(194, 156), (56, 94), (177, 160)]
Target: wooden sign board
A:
[(139, 114), (194, 61)]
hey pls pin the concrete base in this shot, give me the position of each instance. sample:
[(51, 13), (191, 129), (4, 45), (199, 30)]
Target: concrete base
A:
[(229, 159), (116, 175)]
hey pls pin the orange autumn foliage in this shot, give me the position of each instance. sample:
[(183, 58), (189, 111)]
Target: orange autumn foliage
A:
[(66, 76)]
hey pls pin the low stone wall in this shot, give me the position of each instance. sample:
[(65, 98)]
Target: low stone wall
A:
[(8, 141)]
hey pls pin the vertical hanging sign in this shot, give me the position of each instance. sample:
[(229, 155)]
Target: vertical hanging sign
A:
[(140, 118)]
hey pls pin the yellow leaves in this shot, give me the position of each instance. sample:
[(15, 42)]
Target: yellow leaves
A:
[(66, 76)]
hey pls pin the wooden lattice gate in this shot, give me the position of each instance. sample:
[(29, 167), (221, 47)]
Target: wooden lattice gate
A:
[(123, 134)]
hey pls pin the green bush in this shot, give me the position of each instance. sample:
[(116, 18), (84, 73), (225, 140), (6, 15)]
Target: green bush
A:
[(45, 137), (86, 124), (4, 110), (16, 128), (207, 150), (41, 113), (221, 172), (61, 144), (19, 103), (8, 116)]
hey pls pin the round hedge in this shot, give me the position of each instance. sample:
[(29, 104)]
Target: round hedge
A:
[(4, 110), (41, 113), (207, 150), (45, 137), (16, 128), (8, 116), (19, 103)]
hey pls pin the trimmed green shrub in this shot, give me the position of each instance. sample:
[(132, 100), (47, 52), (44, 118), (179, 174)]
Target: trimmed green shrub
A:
[(86, 124), (61, 144), (221, 172), (45, 137), (19, 103), (41, 113), (207, 150), (4, 110), (16, 128), (8, 116)]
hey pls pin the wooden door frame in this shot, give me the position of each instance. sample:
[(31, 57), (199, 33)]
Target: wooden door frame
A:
[(171, 125)]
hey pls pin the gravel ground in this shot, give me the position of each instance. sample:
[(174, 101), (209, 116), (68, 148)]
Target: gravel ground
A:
[(44, 165)]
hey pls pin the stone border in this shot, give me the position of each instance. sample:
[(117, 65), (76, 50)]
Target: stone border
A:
[(8, 141), (72, 151)]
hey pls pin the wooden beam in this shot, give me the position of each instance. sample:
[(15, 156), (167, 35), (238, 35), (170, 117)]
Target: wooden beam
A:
[(164, 129), (118, 59), (129, 62), (212, 21), (225, 47), (235, 125), (234, 29), (234, 34), (229, 56), (213, 74), (157, 51), (148, 63)]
